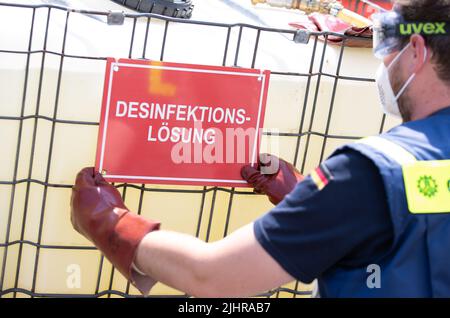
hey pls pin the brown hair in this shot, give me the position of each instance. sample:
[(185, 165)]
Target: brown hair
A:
[(431, 11)]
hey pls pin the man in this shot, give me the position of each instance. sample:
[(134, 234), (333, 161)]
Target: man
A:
[(371, 221)]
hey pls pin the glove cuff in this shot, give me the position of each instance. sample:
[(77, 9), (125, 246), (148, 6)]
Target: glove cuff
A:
[(120, 247)]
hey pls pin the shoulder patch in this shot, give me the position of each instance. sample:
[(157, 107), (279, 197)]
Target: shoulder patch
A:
[(321, 176), (427, 186)]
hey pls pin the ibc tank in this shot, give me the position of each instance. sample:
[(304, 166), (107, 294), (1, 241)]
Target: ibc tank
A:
[(52, 64)]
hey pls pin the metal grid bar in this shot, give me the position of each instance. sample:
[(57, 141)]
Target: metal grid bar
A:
[(333, 96), (313, 112), (33, 145), (143, 189)]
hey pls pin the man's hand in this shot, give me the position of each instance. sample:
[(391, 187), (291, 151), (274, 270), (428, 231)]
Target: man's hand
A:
[(273, 176), (99, 213), (93, 200)]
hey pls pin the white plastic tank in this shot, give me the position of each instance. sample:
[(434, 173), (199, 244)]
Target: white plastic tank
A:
[(58, 96)]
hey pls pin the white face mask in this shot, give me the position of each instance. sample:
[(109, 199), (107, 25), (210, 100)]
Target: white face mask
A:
[(387, 96)]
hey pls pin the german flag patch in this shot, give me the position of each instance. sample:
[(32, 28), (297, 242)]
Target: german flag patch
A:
[(321, 176)]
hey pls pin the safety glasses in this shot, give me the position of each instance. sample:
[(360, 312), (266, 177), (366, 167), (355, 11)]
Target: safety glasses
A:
[(389, 28)]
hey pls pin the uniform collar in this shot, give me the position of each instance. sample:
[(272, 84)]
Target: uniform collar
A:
[(443, 111)]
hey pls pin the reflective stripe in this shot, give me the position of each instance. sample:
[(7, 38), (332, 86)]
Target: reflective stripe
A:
[(390, 149)]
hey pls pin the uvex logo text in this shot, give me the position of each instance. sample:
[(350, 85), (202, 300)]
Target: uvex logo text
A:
[(427, 28)]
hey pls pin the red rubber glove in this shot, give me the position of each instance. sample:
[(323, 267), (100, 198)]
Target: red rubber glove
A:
[(98, 213), (319, 22), (273, 176)]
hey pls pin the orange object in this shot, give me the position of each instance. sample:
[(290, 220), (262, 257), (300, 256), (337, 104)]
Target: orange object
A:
[(367, 8), (332, 7)]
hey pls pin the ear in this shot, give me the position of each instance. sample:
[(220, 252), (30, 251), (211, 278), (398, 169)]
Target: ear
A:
[(421, 54)]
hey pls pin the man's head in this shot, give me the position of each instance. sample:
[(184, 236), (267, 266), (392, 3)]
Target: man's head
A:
[(418, 63)]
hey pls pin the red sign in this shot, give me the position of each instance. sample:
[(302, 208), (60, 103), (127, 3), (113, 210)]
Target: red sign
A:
[(176, 123)]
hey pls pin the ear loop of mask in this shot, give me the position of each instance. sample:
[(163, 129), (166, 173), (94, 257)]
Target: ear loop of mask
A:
[(409, 80)]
